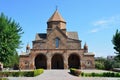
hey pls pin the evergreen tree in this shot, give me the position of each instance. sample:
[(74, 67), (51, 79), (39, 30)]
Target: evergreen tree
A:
[(10, 34), (116, 43)]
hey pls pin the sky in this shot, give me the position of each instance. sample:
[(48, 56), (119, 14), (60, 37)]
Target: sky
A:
[(96, 21)]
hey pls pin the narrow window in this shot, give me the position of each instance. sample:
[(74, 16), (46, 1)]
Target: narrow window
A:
[(57, 42)]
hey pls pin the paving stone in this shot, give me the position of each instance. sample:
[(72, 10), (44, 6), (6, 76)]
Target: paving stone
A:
[(63, 75)]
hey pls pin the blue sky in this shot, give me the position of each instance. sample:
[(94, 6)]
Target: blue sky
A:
[(95, 20)]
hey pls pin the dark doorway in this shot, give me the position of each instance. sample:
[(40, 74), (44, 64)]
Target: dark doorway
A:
[(41, 61), (57, 62), (74, 61)]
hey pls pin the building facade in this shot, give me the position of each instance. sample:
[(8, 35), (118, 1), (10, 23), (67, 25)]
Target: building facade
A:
[(57, 49)]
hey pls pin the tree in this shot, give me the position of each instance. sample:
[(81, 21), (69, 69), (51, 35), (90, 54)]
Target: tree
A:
[(10, 34), (116, 43), (13, 60), (99, 63)]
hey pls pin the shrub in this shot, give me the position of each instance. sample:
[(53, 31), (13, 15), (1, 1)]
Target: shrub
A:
[(72, 70), (22, 73), (38, 72), (117, 75), (105, 74), (82, 73), (116, 64), (75, 71), (93, 74), (28, 74), (3, 79), (99, 65)]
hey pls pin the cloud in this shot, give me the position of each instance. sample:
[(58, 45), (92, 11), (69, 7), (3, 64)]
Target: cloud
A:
[(105, 23), (100, 22), (94, 30)]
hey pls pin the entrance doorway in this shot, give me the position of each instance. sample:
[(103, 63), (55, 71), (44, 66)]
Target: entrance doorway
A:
[(74, 61), (57, 62), (41, 61)]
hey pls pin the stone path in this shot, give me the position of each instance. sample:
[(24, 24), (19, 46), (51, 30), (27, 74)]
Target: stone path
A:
[(62, 75)]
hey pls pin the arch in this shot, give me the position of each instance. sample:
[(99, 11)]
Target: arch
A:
[(57, 62), (41, 61), (74, 61)]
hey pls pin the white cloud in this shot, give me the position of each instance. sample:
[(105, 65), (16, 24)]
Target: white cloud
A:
[(94, 30), (100, 22), (105, 23)]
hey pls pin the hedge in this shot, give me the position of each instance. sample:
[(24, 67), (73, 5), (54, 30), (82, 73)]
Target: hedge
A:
[(22, 73), (76, 72), (105, 74)]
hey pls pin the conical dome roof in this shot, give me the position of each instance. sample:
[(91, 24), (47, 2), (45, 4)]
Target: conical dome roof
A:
[(56, 17)]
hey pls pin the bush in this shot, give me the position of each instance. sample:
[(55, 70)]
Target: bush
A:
[(116, 64), (22, 73), (82, 73), (72, 70), (28, 74), (117, 75), (38, 72), (15, 74), (3, 79), (75, 71), (105, 74), (99, 65), (108, 64), (93, 74)]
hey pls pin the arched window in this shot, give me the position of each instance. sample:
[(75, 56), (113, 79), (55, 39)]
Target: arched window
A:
[(57, 41)]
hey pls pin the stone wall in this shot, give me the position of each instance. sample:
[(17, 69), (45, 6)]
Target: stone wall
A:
[(28, 62)]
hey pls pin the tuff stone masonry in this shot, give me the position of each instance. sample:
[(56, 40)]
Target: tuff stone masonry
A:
[(56, 49)]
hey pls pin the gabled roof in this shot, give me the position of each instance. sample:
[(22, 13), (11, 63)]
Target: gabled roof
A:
[(57, 28), (72, 35), (40, 36), (56, 17)]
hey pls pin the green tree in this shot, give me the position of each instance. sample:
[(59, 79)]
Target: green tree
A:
[(10, 34), (109, 64), (13, 60), (99, 63), (116, 43)]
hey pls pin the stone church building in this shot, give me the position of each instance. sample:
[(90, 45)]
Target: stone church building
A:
[(57, 49)]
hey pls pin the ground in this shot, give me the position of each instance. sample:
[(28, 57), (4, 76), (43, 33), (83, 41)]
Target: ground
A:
[(63, 75)]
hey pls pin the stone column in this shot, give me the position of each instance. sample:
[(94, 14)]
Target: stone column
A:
[(48, 61), (48, 64), (65, 64), (65, 61)]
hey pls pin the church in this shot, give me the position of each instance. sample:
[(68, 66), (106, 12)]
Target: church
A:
[(57, 49)]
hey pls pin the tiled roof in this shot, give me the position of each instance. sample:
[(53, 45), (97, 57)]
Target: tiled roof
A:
[(90, 53), (72, 35), (40, 36), (56, 17)]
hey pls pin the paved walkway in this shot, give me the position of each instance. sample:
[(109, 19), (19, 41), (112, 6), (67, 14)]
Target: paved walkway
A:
[(62, 75)]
